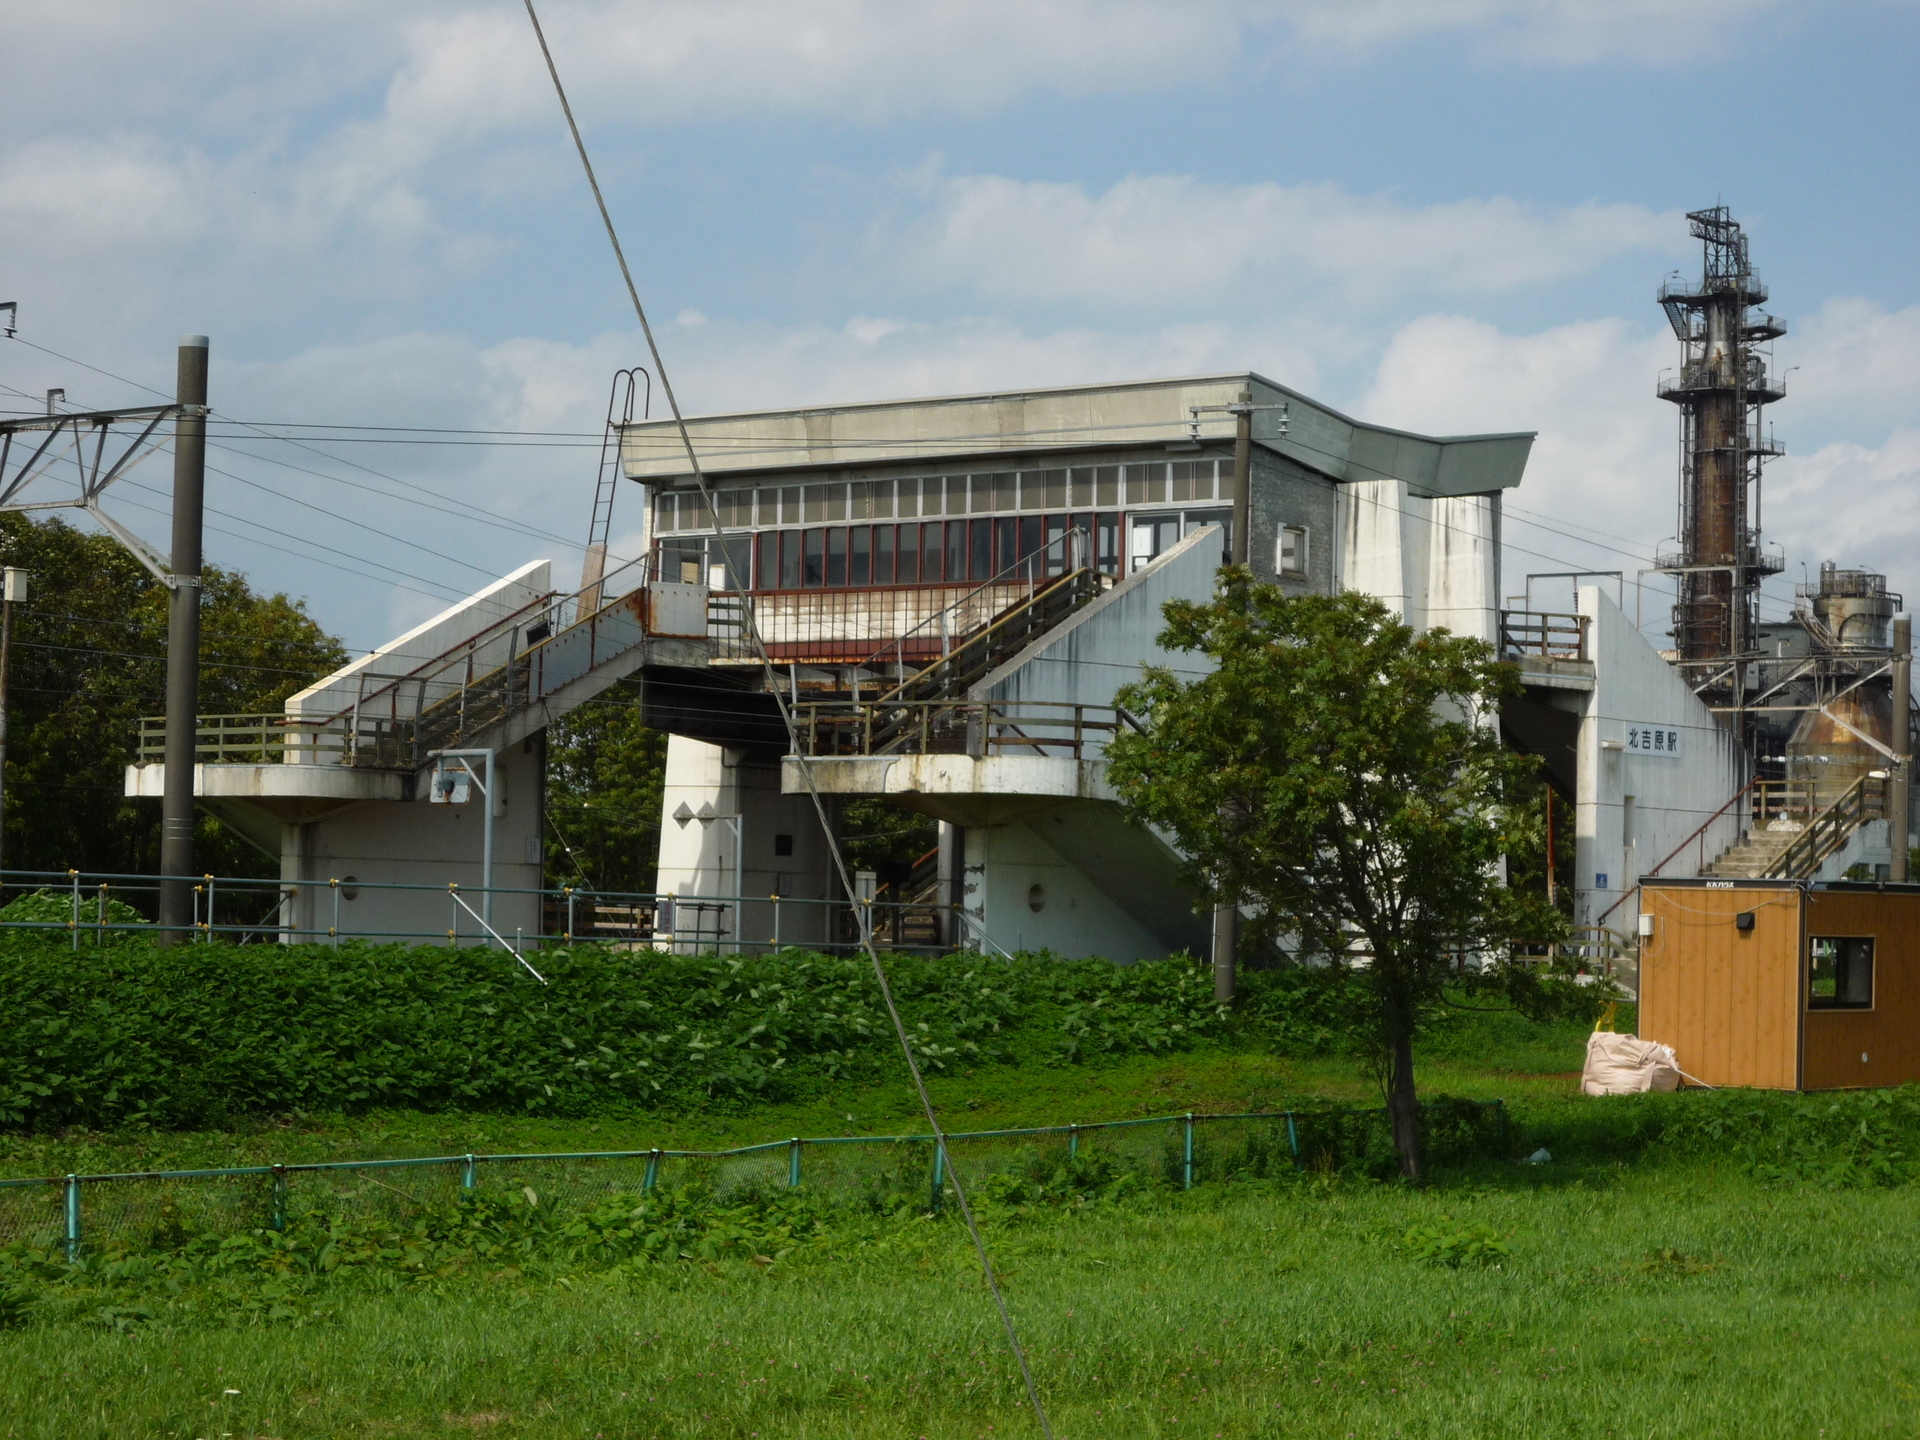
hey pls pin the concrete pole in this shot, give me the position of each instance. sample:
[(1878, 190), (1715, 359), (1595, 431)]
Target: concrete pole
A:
[(1242, 550), (1226, 942), (1901, 784), (6, 660), (183, 643)]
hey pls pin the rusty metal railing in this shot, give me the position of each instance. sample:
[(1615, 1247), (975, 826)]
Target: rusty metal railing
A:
[(1537, 633), (955, 727)]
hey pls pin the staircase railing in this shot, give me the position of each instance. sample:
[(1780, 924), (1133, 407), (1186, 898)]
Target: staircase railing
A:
[(1827, 832), (954, 727)]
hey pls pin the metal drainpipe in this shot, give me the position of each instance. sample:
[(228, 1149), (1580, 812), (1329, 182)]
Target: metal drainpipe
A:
[(1899, 786)]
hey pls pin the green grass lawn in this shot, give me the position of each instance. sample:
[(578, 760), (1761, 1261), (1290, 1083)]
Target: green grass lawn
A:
[(1634, 1286), (1681, 1302)]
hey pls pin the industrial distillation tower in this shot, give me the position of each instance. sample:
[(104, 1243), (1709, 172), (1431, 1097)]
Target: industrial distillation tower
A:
[(1722, 388)]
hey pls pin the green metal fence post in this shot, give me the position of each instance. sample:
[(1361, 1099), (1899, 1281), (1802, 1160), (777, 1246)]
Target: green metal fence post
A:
[(1187, 1184), (1073, 1141), (75, 927), (73, 1218), (653, 1171), (1293, 1140), (793, 1162), (939, 1172), (467, 1176), (279, 1221)]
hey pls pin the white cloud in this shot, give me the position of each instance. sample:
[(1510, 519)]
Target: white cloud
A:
[(1567, 32), (1169, 240), (1605, 465)]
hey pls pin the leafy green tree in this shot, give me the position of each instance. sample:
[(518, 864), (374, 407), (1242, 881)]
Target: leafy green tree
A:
[(1337, 774), (606, 776), (885, 839), (89, 660)]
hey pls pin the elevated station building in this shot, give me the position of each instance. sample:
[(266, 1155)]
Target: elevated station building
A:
[(949, 592)]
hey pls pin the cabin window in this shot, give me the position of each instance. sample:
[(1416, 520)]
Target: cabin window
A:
[(1840, 976)]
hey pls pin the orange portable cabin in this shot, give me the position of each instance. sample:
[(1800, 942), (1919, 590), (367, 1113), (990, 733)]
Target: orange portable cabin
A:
[(1783, 985)]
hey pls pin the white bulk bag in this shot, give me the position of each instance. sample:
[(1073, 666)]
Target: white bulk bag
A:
[(1627, 1065)]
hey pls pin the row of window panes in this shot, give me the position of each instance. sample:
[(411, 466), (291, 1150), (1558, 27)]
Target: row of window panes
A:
[(929, 552), (1090, 486)]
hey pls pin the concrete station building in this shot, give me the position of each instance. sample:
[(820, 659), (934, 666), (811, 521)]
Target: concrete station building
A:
[(951, 590)]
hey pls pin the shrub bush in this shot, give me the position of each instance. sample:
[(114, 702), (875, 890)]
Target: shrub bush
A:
[(197, 1034)]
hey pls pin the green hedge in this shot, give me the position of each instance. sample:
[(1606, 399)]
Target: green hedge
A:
[(196, 1034)]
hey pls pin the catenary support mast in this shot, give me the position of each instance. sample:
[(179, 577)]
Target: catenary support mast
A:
[(183, 642)]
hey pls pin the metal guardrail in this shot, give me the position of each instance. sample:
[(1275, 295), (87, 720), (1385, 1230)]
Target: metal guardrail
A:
[(53, 1213), (955, 727), (1537, 633), (252, 910), (1827, 832)]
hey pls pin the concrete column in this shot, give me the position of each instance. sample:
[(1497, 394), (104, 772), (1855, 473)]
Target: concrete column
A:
[(183, 643)]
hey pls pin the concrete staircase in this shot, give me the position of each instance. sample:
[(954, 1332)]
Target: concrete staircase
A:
[(1754, 857)]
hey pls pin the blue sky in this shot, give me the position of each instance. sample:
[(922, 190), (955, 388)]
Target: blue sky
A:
[(1444, 214)]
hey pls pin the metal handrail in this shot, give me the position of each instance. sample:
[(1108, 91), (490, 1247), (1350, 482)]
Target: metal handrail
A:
[(898, 642), (1548, 635), (1067, 584), (1864, 800), (1698, 834), (950, 727)]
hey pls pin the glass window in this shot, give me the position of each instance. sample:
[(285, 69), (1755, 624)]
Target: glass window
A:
[(1006, 542), (1080, 486), (816, 508), (813, 567), (860, 557), (907, 568), (1053, 489), (1107, 544), (1290, 550), (931, 544), (1225, 485), (1004, 496), (907, 501), (1153, 536), (1147, 484), (730, 561), (769, 577), (1840, 976), (1106, 486), (1056, 544), (1030, 539), (980, 565), (956, 550), (1184, 474), (986, 488), (883, 554), (836, 558), (836, 502)]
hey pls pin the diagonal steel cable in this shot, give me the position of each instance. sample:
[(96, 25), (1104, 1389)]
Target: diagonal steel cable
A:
[(752, 626)]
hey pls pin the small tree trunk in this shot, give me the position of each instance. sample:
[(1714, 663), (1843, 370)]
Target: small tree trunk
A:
[(1403, 1103)]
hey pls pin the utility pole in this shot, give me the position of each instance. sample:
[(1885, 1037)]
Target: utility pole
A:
[(1241, 549), (1900, 787), (183, 642), (13, 586)]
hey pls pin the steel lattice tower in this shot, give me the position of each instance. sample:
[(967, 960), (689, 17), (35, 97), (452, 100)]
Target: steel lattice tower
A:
[(1722, 388)]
